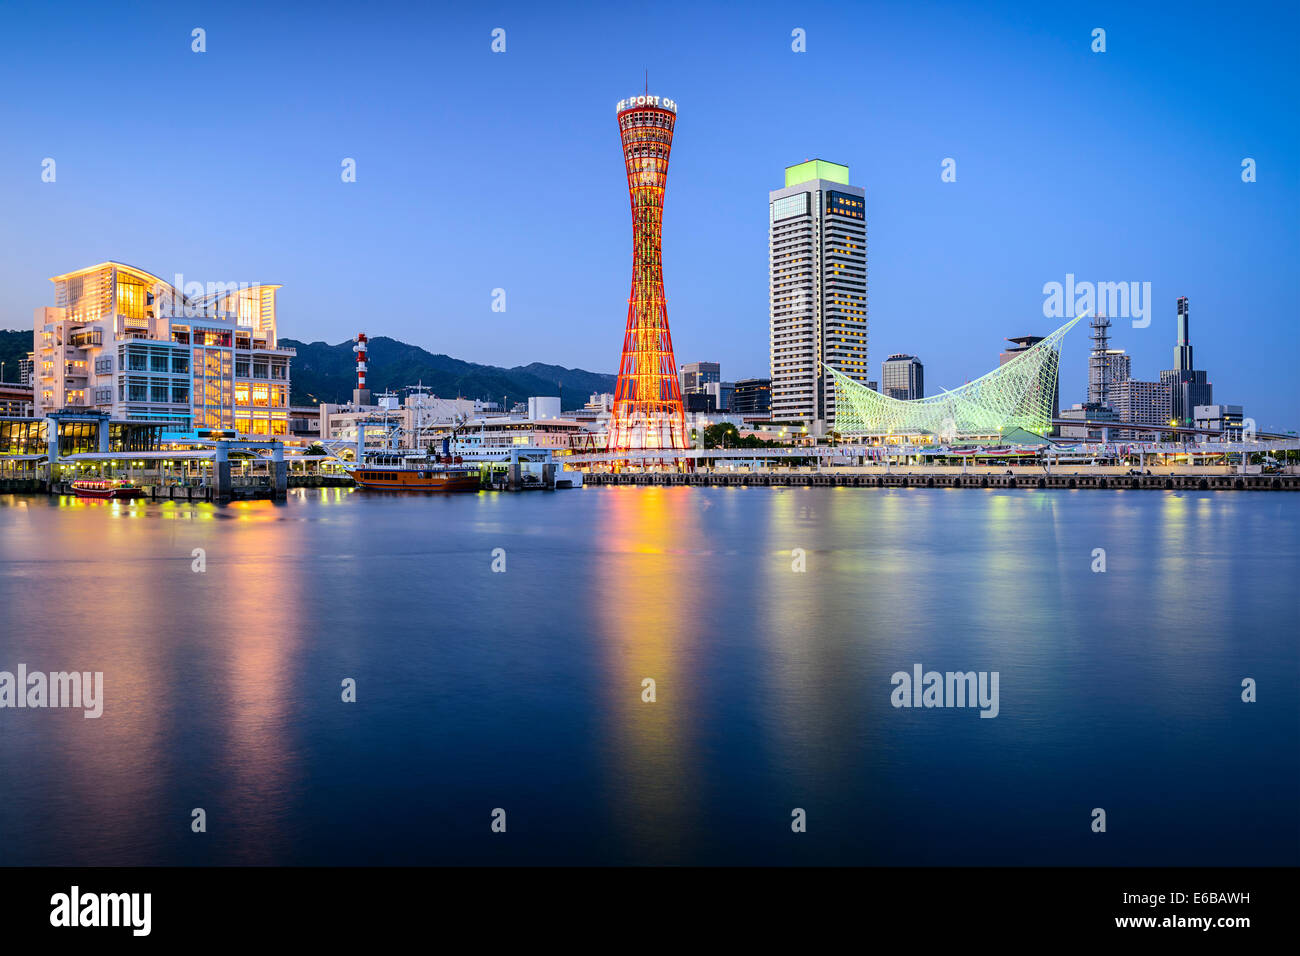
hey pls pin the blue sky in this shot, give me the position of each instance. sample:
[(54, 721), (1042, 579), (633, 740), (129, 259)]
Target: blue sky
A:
[(478, 170)]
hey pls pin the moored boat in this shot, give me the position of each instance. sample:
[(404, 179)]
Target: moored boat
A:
[(442, 474), (105, 488)]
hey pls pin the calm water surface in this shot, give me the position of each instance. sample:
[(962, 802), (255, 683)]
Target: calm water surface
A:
[(522, 690)]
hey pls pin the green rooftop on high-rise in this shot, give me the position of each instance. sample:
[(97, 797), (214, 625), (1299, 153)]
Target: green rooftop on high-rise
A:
[(816, 169)]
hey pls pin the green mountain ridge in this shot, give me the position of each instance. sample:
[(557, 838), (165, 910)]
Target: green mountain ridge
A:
[(327, 373)]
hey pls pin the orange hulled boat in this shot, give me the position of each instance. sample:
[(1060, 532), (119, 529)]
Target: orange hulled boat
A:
[(433, 474)]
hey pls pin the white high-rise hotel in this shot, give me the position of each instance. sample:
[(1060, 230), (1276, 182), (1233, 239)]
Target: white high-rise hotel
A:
[(818, 257)]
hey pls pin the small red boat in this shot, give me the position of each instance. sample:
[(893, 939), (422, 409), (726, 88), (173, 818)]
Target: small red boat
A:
[(105, 488)]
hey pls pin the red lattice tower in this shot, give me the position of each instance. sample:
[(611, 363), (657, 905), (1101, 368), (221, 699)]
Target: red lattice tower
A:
[(648, 399)]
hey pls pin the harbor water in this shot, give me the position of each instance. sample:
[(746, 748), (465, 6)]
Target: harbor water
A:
[(500, 647)]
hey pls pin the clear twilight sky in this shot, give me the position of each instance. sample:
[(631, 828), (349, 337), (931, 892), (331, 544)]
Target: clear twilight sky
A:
[(478, 170)]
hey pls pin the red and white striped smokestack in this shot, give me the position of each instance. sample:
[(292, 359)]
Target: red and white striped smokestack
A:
[(360, 349)]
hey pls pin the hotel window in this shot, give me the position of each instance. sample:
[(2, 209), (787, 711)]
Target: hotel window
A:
[(180, 394), (159, 362), (159, 393), (241, 368), (132, 297), (137, 361), (180, 363), (260, 370), (260, 396), (249, 310), (841, 204), (241, 394)]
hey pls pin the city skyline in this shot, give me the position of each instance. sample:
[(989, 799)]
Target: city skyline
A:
[(407, 474), (956, 267)]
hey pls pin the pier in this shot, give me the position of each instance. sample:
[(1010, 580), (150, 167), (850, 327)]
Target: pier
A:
[(48, 454), (929, 479)]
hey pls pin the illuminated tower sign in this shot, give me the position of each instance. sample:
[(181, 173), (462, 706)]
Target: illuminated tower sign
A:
[(647, 400)]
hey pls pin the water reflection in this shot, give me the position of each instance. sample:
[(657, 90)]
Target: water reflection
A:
[(802, 659), (113, 591), (257, 613), (773, 684), (649, 596)]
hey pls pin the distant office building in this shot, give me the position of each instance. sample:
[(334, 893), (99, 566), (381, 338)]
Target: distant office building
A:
[(1021, 344), (699, 402), (818, 288), (417, 421), (1187, 384), (304, 422), (1140, 403), (752, 397), (874, 386), (1118, 366), (25, 370), (1094, 422), (1221, 418), (903, 377), (15, 400), (696, 375)]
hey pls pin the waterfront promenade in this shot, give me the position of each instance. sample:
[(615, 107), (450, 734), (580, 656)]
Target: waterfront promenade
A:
[(1100, 477)]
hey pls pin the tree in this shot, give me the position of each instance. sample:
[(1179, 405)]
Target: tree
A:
[(725, 435), (721, 435)]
